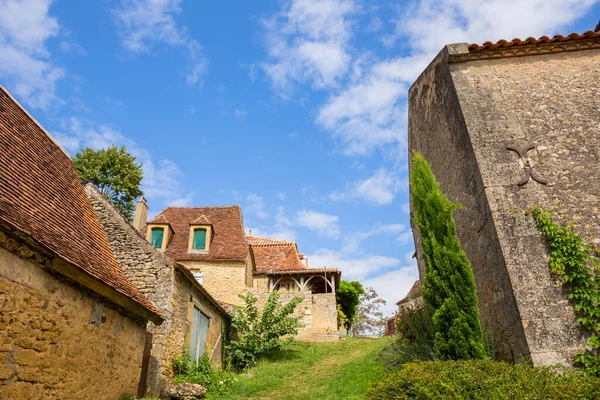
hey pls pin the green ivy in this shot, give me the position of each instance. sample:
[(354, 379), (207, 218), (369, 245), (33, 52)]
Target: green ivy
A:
[(572, 259)]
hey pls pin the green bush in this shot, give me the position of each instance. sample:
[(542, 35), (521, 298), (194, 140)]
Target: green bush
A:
[(482, 379), (203, 373), (415, 339), (258, 334), (448, 285)]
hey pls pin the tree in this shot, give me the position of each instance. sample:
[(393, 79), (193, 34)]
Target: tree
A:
[(260, 333), (448, 286), (369, 319), (114, 172), (348, 298)]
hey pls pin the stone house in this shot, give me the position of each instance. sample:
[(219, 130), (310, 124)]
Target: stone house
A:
[(72, 326), (194, 320), (211, 242), (413, 300), (506, 126)]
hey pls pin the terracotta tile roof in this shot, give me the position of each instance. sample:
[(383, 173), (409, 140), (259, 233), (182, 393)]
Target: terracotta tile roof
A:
[(159, 219), (277, 257), (265, 241), (201, 220), (228, 239), (532, 41), (305, 271), (42, 197), (414, 291)]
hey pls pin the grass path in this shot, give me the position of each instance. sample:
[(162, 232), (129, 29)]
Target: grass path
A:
[(308, 371)]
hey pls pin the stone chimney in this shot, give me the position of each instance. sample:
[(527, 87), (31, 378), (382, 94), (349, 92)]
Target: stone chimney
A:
[(141, 213), (304, 260)]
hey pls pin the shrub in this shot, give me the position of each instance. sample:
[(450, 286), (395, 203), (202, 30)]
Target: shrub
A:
[(415, 339), (482, 379), (448, 285), (258, 334), (203, 373)]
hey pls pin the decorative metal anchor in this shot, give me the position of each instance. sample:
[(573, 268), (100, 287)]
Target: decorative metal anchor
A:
[(529, 172)]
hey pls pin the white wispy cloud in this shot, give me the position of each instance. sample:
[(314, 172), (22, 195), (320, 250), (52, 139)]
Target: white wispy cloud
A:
[(380, 189), (353, 242), (25, 64), (71, 47), (256, 205), (162, 177), (307, 43), (282, 228), (393, 286), (143, 23), (353, 268), (323, 224)]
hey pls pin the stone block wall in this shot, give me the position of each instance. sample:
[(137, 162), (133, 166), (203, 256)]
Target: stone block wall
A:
[(223, 279), (462, 117), (58, 340)]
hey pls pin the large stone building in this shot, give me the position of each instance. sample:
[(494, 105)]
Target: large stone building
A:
[(72, 326), (506, 126), (193, 319), (412, 301), (211, 242)]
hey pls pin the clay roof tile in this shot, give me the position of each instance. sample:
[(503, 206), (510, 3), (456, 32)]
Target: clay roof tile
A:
[(532, 41)]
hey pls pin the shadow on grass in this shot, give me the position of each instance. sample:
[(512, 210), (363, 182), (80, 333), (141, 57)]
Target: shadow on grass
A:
[(284, 355)]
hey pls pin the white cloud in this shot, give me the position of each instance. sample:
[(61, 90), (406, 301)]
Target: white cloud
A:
[(379, 189), (281, 196), (281, 229), (393, 286), (353, 242), (406, 207), (240, 113), (25, 64), (405, 238), (142, 23), (307, 43), (353, 268), (162, 178), (323, 224), (256, 206), (70, 47)]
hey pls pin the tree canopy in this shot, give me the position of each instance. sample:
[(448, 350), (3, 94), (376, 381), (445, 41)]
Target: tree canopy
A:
[(369, 318), (348, 298), (449, 285), (114, 172)]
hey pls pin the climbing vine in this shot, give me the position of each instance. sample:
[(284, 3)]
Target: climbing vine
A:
[(573, 260)]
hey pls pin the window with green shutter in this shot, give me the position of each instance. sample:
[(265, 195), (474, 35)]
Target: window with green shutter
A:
[(157, 237), (199, 242)]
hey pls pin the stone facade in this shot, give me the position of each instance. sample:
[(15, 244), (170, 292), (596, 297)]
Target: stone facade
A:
[(169, 286), (62, 341), (463, 114), (223, 279)]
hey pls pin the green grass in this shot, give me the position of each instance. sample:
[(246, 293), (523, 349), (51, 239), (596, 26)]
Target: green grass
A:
[(340, 370)]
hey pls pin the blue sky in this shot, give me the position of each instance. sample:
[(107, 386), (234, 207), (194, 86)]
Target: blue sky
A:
[(296, 110)]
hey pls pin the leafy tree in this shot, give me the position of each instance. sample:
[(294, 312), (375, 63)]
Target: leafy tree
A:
[(449, 286), (348, 298), (114, 172), (260, 333), (369, 319)]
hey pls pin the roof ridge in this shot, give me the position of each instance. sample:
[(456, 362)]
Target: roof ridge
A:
[(192, 207), (503, 44)]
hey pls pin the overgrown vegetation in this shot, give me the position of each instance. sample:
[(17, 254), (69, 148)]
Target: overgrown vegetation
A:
[(258, 334), (369, 318), (307, 371), (448, 286), (414, 341), (482, 379), (114, 172), (573, 260), (203, 373), (348, 298)]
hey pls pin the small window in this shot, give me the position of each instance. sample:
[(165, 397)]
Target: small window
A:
[(199, 242), (157, 237)]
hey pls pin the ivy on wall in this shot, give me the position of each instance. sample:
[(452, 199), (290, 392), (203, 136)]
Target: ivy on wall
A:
[(573, 260)]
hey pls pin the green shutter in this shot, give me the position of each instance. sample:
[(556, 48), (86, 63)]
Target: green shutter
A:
[(157, 237), (199, 239)]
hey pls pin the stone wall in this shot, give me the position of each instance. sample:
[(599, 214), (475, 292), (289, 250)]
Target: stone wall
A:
[(462, 117), (223, 279), (61, 341), (163, 284)]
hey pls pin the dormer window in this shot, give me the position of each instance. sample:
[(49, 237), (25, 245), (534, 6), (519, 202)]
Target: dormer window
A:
[(157, 237), (199, 239), (201, 231)]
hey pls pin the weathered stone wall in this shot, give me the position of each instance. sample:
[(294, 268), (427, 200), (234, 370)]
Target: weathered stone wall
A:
[(186, 296), (167, 288), (552, 102), (223, 279), (61, 341), (462, 118)]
